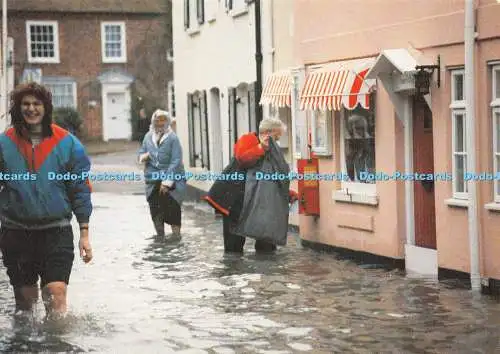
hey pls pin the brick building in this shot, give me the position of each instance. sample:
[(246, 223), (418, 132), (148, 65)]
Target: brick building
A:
[(102, 57)]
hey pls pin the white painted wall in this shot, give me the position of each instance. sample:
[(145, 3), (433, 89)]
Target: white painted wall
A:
[(216, 54)]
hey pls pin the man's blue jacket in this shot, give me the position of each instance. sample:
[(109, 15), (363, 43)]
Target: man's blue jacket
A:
[(43, 185)]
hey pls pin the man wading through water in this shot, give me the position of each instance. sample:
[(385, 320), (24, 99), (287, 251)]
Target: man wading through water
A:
[(164, 173), (36, 237)]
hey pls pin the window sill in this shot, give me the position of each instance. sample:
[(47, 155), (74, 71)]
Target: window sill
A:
[(42, 61), (459, 203), (495, 103), (240, 12), (355, 198), (193, 31), (115, 61), (322, 153), (458, 105), (492, 206)]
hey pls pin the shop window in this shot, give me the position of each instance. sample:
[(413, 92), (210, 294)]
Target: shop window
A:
[(357, 145), (299, 142), (321, 133)]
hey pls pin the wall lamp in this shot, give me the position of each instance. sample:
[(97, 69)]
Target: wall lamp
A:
[(423, 77)]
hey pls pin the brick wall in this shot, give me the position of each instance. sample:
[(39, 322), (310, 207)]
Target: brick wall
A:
[(148, 38)]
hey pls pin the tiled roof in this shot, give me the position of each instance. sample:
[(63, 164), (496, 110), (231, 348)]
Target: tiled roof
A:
[(106, 6)]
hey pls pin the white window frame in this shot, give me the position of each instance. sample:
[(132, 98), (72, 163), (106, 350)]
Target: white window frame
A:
[(495, 110), (495, 101), (349, 187), (50, 82), (55, 26), (123, 31), (211, 10), (194, 26), (458, 112), (496, 141), (298, 122), (240, 8), (325, 150), (458, 108)]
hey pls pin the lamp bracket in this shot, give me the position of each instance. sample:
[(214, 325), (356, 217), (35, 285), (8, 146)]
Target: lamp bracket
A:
[(431, 68)]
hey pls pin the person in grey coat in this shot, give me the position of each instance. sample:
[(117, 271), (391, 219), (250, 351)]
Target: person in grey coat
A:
[(164, 174)]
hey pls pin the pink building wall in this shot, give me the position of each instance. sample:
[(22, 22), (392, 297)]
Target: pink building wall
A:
[(330, 30)]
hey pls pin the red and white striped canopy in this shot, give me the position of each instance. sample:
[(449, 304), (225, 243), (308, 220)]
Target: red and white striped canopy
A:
[(338, 84), (277, 90)]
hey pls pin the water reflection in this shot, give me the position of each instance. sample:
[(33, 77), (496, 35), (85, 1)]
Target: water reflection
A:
[(188, 296)]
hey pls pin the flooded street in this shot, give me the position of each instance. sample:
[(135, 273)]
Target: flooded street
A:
[(141, 296)]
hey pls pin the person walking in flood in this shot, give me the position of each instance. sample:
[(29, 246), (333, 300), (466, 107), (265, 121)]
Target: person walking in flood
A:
[(36, 236), (228, 197), (161, 153)]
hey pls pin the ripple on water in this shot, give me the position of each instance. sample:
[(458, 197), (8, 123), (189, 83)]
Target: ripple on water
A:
[(145, 296)]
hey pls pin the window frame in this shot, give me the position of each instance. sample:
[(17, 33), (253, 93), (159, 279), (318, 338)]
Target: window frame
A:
[(495, 110), (296, 125), (459, 104), (193, 27), (368, 189), (236, 11), (48, 81), (211, 10), (458, 112), (123, 43), (457, 107), (496, 142), (325, 150), (495, 86), (200, 11), (55, 26)]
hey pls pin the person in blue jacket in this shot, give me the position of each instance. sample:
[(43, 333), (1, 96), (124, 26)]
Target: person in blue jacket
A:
[(36, 205), (161, 154)]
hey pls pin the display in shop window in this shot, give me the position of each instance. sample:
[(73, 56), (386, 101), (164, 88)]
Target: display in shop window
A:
[(359, 143)]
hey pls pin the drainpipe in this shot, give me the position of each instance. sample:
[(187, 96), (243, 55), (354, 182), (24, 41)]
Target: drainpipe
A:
[(469, 41), (270, 46), (5, 55), (258, 61)]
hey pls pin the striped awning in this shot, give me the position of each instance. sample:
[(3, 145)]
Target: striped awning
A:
[(338, 84), (277, 90)]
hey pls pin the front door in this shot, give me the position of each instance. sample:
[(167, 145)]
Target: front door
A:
[(423, 163), (117, 116)]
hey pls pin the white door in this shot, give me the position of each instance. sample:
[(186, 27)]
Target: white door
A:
[(117, 117)]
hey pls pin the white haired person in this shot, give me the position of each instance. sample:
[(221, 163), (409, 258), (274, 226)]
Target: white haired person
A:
[(228, 197), (164, 173)]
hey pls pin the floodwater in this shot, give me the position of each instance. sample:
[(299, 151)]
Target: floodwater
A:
[(141, 296)]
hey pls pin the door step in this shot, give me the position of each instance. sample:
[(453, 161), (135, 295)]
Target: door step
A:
[(421, 262)]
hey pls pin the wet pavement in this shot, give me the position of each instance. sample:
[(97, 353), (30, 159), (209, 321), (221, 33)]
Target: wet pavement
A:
[(142, 296)]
